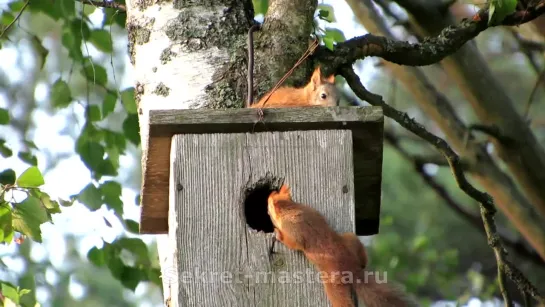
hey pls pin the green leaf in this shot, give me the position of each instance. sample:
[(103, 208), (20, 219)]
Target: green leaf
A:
[(111, 192), (28, 158), (328, 42), (137, 247), (115, 145), (4, 116), (491, 13), (132, 129), (108, 105), (80, 28), (93, 113), (89, 133), (47, 7), (24, 291), (106, 168), (31, 178), (325, 12), (96, 256), (132, 226), (420, 243), (6, 221), (131, 277), (66, 203), (260, 6), (127, 98), (115, 140), (121, 19), (92, 154), (154, 275), (336, 34), (72, 42), (4, 150), (40, 49), (16, 6), (28, 216), (108, 17), (499, 9), (102, 40), (115, 265), (60, 94), (94, 72), (67, 8), (6, 18), (89, 9), (7, 176), (30, 144), (90, 196), (10, 291), (51, 206)]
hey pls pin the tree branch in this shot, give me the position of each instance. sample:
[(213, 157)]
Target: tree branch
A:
[(486, 202), (15, 19), (110, 4), (517, 245), (430, 51), (433, 103), (493, 131)]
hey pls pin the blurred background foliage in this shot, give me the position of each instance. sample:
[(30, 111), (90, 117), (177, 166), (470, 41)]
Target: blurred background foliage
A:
[(66, 98)]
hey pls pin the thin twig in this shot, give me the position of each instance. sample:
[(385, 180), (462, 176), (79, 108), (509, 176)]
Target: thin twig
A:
[(15, 19), (487, 205), (532, 94), (305, 55), (106, 4), (528, 48), (250, 97)]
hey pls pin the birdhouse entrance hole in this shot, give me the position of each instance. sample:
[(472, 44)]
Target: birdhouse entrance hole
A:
[(255, 203)]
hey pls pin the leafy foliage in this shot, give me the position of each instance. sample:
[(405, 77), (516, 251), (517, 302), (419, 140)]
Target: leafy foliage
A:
[(329, 36), (12, 293), (109, 121), (27, 216), (499, 9)]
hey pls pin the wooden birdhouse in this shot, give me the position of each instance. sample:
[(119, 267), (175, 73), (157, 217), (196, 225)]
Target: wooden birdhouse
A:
[(206, 179)]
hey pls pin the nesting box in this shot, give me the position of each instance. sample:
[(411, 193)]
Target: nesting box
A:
[(208, 173)]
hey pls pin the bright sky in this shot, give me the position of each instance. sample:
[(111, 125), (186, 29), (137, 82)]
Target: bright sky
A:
[(69, 176)]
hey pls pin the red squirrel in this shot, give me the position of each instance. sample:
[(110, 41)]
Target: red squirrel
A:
[(303, 228), (319, 91)]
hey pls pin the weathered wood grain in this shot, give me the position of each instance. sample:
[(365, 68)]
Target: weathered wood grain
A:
[(170, 122), (366, 124), (209, 232)]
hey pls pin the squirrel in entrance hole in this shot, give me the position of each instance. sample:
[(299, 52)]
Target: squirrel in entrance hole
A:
[(319, 91), (303, 228)]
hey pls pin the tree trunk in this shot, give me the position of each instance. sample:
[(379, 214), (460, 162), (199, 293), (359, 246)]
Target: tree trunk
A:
[(192, 54), (186, 54), (284, 38)]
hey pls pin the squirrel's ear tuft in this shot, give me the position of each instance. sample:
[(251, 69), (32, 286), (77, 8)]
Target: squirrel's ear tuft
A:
[(284, 189), (316, 78), (330, 79)]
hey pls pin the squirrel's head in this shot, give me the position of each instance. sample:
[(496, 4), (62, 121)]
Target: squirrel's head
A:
[(283, 193), (275, 199), (323, 90)]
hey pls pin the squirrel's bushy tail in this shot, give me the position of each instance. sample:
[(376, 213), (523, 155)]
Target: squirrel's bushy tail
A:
[(373, 293)]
